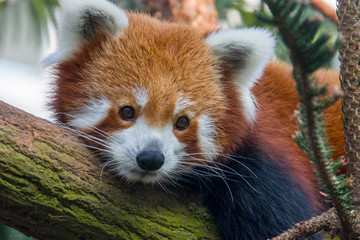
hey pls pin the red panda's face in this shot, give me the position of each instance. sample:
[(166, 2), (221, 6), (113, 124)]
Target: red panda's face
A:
[(156, 95), (151, 96)]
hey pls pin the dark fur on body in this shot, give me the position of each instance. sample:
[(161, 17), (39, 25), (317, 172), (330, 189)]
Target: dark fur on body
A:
[(263, 201)]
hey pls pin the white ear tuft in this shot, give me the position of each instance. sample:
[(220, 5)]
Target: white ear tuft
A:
[(246, 51), (80, 20)]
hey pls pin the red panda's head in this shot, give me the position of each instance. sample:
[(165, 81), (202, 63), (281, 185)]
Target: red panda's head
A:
[(156, 97)]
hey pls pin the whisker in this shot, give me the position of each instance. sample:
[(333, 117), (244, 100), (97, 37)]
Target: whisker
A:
[(88, 136), (208, 174), (231, 157), (242, 177), (102, 169), (163, 187), (227, 185), (169, 178), (91, 127), (222, 165), (79, 133), (86, 145)]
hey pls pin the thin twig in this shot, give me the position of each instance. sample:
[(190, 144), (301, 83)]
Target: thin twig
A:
[(327, 221)]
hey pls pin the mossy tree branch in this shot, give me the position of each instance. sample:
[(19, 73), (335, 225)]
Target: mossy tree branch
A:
[(50, 188)]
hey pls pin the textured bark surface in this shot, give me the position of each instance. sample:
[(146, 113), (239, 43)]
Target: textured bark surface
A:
[(200, 13), (50, 188), (349, 34)]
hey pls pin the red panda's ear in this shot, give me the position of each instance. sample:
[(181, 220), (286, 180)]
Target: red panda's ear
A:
[(246, 51), (80, 20)]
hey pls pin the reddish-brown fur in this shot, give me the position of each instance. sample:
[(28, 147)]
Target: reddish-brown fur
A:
[(276, 122), (116, 67), (184, 66), (333, 122)]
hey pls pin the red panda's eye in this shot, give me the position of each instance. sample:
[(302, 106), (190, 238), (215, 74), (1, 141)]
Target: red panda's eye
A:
[(127, 113), (182, 123)]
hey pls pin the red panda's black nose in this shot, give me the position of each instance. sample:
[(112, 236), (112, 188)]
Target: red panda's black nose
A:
[(150, 160)]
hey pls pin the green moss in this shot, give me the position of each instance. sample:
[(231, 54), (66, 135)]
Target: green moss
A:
[(6, 187), (39, 180), (4, 132)]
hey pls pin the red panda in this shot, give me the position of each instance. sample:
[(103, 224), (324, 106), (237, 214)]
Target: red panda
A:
[(163, 103)]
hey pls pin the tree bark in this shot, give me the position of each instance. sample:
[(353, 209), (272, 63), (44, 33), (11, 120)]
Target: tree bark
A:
[(50, 188), (201, 13), (349, 35)]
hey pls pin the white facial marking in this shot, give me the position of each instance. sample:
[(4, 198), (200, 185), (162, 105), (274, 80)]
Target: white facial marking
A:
[(141, 96), (91, 114), (206, 134), (181, 104), (248, 101), (127, 144)]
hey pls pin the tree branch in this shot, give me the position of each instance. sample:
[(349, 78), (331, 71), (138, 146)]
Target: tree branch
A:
[(50, 188), (327, 221), (201, 13)]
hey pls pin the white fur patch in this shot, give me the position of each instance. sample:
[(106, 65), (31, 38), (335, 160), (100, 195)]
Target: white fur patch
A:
[(91, 114), (69, 37), (127, 144), (181, 104), (249, 104), (206, 133), (257, 46), (141, 96)]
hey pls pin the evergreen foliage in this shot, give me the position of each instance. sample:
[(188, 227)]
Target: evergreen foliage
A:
[(309, 50)]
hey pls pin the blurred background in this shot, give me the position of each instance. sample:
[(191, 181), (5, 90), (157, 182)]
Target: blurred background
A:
[(28, 34)]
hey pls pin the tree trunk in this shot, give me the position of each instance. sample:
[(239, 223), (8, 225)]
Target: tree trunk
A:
[(349, 35), (51, 188)]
